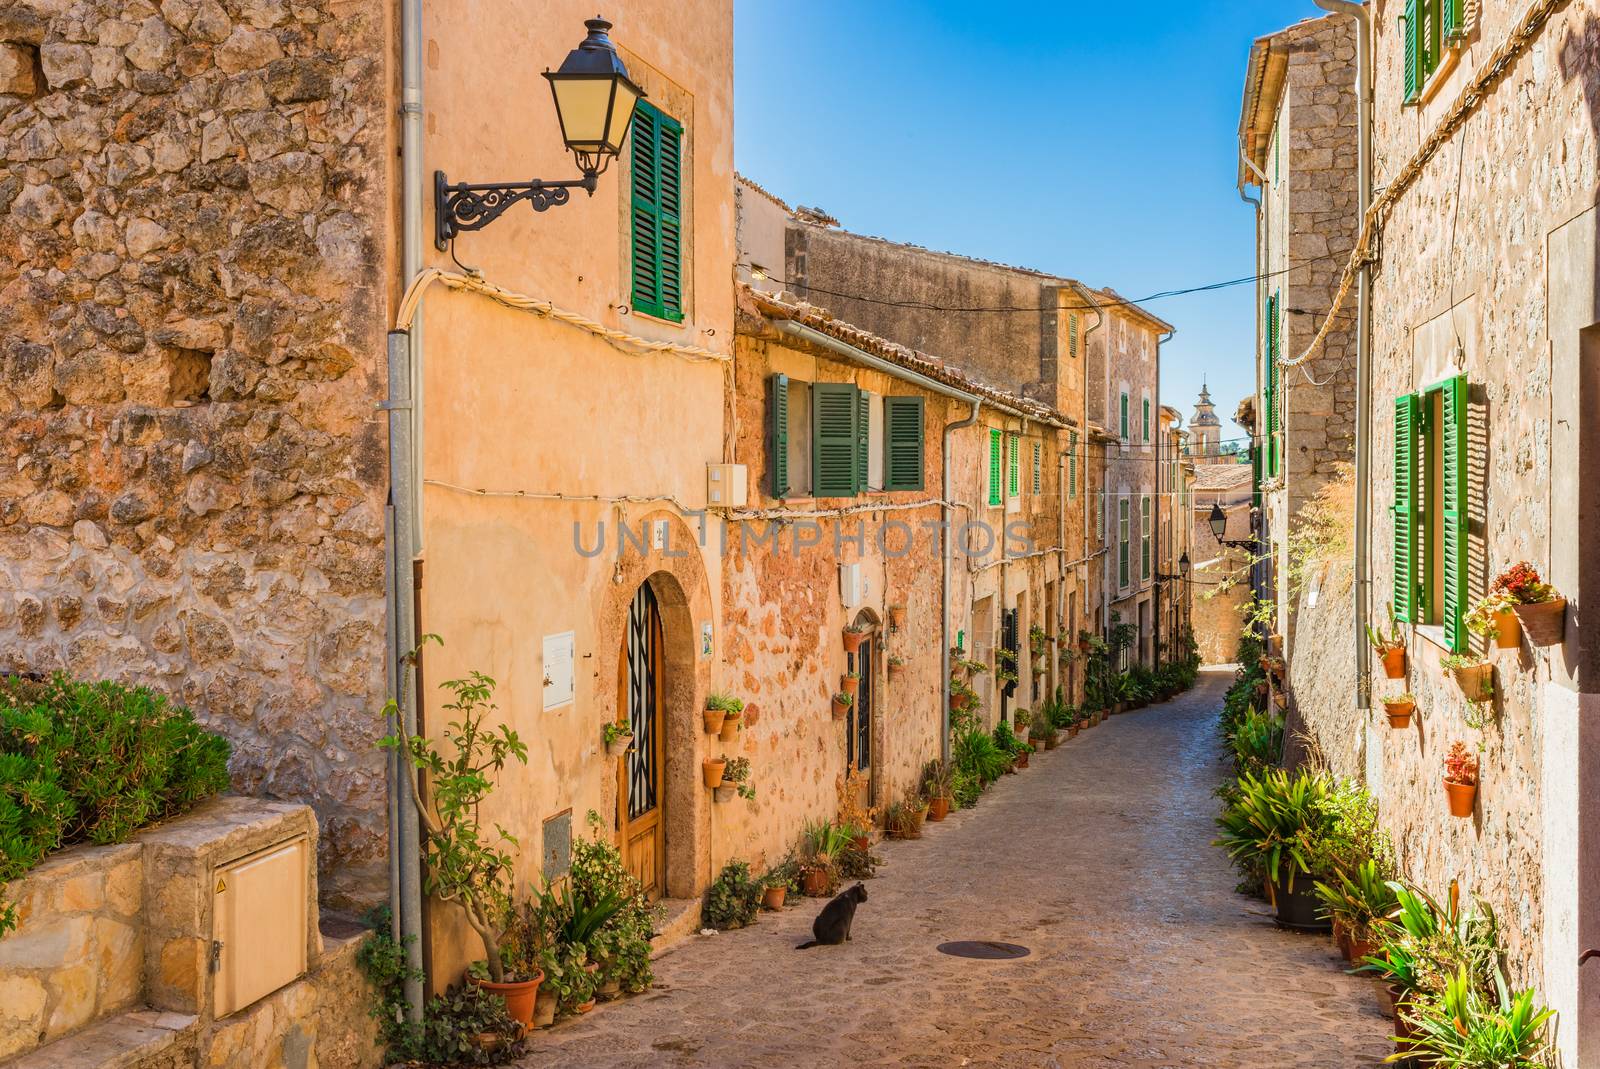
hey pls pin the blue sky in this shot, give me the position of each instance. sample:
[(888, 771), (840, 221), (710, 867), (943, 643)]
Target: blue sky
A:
[(1074, 138)]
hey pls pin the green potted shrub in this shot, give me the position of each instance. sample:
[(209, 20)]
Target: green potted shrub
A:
[(821, 843), (719, 707), (780, 880), (733, 899), (618, 737), (1539, 607), (465, 864), (1276, 822), (736, 780), (1494, 617), (1462, 1027)]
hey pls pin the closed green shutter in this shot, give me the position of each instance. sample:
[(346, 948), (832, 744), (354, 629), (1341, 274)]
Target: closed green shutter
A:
[(834, 434), (657, 207), (902, 443), (1072, 464), (1122, 542), (778, 435), (1013, 447), (1147, 419), (1453, 455), (1412, 25), (1274, 352), (1144, 538), (994, 468), (1072, 335), (863, 440), (1038, 464), (1123, 427), (1407, 415), (1450, 25)]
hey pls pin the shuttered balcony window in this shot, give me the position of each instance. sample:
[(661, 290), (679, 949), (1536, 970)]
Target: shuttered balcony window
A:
[(657, 204)]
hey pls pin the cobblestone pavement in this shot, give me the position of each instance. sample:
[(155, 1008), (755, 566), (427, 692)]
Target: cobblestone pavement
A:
[(1098, 859)]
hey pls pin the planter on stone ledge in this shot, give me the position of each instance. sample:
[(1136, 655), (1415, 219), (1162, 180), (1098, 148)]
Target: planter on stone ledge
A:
[(1399, 710)]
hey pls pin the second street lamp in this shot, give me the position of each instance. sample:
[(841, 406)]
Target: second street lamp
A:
[(1219, 527), (594, 100)]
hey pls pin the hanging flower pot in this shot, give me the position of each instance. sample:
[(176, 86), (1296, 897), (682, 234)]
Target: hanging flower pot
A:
[(1399, 710), (841, 705), (713, 719), (1275, 644), (618, 739), (1507, 630), (850, 684), (1394, 662), (1475, 680), (711, 770), (959, 700), (1281, 700), (730, 727), (1461, 779), (772, 896), (897, 667), (1462, 797), (1543, 621), (853, 639), (897, 617), (724, 793)]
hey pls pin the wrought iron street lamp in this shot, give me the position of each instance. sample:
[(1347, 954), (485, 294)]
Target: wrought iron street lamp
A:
[(594, 100), (1219, 527), (1183, 571)]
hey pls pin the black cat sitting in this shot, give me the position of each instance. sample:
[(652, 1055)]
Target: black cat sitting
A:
[(832, 925)]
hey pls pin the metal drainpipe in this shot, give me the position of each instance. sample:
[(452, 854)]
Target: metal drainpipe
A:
[(1083, 442), (1363, 323), (945, 556), (405, 434)]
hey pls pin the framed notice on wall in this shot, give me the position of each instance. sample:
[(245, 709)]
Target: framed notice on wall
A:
[(558, 668)]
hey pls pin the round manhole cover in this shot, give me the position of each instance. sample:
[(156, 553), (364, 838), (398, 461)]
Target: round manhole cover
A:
[(987, 949)]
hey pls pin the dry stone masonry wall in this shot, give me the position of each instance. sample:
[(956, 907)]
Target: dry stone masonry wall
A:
[(191, 475)]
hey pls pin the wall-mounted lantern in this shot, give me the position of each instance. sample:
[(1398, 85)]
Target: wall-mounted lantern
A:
[(594, 100)]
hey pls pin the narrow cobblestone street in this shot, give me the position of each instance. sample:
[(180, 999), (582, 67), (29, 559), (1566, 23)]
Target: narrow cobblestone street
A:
[(1098, 859)]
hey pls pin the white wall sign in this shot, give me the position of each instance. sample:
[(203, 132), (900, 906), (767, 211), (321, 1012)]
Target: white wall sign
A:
[(558, 669), (705, 638)]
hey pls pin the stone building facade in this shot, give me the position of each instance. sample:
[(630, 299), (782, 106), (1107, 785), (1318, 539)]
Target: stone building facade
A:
[(1483, 298), (1221, 573), (193, 200), (1297, 141), (1174, 533)]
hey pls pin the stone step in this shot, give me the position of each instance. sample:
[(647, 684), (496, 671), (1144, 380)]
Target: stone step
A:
[(682, 920), (140, 1039)]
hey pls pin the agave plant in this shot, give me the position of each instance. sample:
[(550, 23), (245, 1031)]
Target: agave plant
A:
[(1359, 900), (1435, 940), (1464, 1029), (1274, 823)]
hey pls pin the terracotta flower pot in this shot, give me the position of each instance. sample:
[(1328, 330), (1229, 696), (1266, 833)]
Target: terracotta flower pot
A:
[(711, 770), (585, 1007), (897, 616), (839, 709), (896, 670), (1462, 796), (1507, 630), (1275, 644), (1072, 731), (544, 1009), (853, 640), (862, 843), (1476, 681), (959, 702), (1394, 662), (850, 685), (1359, 947), (772, 896), (519, 995), (619, 746), (723, 793), (938, 808), (1037, 742), (814, 882), (730, 727), (1543, 621), (1281, 700), (1021, 760), (714, 719), (1399, 713), (1341, 939), (1052, 741)]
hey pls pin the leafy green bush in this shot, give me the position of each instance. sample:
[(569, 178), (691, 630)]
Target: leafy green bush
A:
[(622, 944), (1464, 1028), (976, 754), (1256, 740), (1276, 824), (1006, 740), (94, 762), (733, 899)]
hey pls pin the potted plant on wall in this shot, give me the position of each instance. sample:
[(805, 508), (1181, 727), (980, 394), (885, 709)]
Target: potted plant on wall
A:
[(897, 666), (736, 778), (897, 617), (618, 737), (731, 724), (1398, 708), (850, 683), (1538, 606), (464, 863), (718, 706), (1493, 616), (854, 636), (841, 704), (1472, 673), (1390, 645), (1461, 779), (711, 771)]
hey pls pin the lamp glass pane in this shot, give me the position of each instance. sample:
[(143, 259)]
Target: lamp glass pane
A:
[(627, 97), (582, 103)]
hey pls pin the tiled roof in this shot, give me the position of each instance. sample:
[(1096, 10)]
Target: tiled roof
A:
[(786, 307), (763, 190), (1221, 476)]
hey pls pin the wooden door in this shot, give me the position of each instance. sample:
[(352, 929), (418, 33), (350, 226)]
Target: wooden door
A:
[(858, 721), (640, 799)]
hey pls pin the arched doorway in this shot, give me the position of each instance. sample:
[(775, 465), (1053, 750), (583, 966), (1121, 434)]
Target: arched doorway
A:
[(641, 787)]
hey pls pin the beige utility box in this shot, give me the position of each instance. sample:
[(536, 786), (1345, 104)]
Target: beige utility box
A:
[(727, 486), (259, 924)]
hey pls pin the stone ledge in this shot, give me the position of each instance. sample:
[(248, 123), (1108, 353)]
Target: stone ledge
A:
[(143, 1039)]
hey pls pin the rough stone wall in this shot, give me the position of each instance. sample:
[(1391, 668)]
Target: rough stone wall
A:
[(191, 340)]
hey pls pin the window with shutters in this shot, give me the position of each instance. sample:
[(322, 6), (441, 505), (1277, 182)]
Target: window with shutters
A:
[(1144, 537), (1072, 464), (1122, 426), (1123, 534), (1013, 465), (657, 205), (995, 449), (1432, 29), (1430, 511), (838, 439), (778, 484), (1038, 466), (903, 443), (1147, 420)]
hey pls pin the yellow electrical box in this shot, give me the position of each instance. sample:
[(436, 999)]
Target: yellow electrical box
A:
[(259, 922)]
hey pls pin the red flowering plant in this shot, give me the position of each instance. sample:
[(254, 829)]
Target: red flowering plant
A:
[(1522, 582), (1461, 766)]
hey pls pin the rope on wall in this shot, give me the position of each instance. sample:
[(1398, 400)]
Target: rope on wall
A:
[(1467, 102), (473, 283)]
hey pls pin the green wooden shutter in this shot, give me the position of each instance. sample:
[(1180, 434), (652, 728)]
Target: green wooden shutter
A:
[(657, 207), (1123, 426), (834, 434), (863, 440), (1453, 454), (1013, 464), (1147, 419), (1412, 26), (1451, 29), (778, 435), (1038, 464), (1407, 415), (1122, 542), (994, 468), (902, 443), (1072, 464), (1274, 352), (1144, 537), (1072, 335)]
